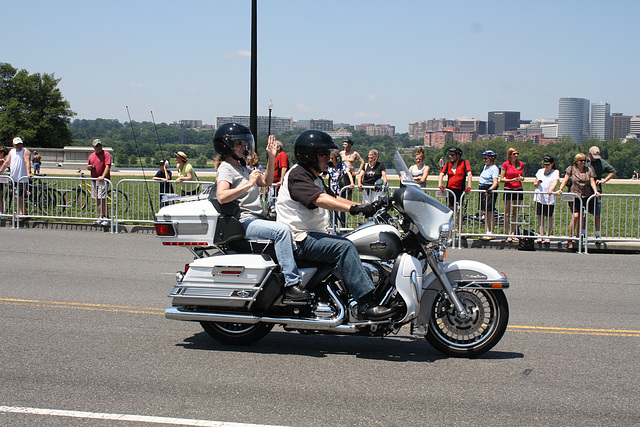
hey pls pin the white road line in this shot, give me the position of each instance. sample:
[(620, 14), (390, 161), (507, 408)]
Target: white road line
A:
[(124, 417)]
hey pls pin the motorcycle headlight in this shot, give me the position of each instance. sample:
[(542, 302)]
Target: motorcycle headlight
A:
[(445, 231)]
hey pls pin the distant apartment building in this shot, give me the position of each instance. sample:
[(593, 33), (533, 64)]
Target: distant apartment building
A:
[(191, 123), (278, 124), (372, 129), (342, 126), (573, 119), (437, 138), (536, 126), (549, 131), (321, 124), (465, 137), (301, 125), (500, 122), (417, 130), (620, 126), (601, 121), (479, 127)]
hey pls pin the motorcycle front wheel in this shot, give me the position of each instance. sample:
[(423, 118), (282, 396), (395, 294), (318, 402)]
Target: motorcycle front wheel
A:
[(236, 333), (487, 321)]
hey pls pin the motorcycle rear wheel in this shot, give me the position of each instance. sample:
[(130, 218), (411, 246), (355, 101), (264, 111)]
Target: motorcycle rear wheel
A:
[(236, 333), (456, 337)]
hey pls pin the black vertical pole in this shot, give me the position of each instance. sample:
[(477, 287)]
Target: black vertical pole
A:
[(253, 114), (270, 108)]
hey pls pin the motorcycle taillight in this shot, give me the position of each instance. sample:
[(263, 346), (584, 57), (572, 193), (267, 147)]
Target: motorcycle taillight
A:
[(165, 229)]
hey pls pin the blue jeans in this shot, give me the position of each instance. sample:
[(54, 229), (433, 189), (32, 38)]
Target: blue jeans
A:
[(330, 249), (256, 229)]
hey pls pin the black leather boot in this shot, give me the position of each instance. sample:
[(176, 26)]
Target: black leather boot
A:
[(296, 293), (368, 308)]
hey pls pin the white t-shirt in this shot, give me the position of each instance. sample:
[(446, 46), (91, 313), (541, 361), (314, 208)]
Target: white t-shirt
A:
[(249, 202), (546, 183)]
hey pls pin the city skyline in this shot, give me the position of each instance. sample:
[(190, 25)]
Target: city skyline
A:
[(360, 61)]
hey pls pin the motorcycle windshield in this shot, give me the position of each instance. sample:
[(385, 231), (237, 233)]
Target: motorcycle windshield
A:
[(402, 170), (425, 212)]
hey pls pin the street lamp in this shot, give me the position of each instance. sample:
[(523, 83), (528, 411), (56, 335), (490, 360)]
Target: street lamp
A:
[(270, 108)]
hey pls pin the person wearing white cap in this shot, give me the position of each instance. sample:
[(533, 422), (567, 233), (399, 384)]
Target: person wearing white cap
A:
[(600, 167), (99, 163), (19, 163)]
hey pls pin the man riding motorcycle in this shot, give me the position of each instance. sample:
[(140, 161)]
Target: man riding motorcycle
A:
[(304, 203)]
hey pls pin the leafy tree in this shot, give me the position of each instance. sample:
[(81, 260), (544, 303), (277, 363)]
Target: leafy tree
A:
[(201, 161), (32, 107)]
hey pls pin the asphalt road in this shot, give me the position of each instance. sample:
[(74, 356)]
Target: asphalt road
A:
[(83, 331)]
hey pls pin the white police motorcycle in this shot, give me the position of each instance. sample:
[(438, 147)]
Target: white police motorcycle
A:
[(234, 287)]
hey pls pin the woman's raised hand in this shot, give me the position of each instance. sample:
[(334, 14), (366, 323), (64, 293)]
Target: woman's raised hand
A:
[(272, 148)]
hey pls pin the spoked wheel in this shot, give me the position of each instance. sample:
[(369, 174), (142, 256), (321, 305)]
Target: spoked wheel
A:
[(488, 316), (237, 333)]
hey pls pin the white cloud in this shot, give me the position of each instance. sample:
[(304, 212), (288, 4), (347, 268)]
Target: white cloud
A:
[(238, 53), (302, 108), (136, 84), (370, 97)]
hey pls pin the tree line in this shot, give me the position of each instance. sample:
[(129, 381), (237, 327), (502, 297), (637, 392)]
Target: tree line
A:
[(154, 142)]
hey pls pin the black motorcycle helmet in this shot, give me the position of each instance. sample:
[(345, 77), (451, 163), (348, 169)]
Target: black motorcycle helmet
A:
[(227, 133), (308, 143), (456, 150)]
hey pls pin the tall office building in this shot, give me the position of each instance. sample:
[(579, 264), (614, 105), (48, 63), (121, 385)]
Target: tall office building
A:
[(500, 122), (634, 125), (601, 121), (620, 126), (573, 119)]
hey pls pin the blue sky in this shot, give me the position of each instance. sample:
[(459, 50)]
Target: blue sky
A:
[(353, 61)]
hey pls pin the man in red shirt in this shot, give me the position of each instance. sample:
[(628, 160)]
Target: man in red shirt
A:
[(281, 166), (99, 164)]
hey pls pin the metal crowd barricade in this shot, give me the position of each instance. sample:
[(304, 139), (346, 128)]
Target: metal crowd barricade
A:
[(59, 198), (138, 200), (471, 219), (619, 219), (7, 204)]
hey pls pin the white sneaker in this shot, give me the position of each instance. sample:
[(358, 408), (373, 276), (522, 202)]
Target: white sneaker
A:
[(105, 221), (97, 222)]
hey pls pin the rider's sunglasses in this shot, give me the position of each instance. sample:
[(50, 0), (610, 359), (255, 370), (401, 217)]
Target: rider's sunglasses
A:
[(323, 153)]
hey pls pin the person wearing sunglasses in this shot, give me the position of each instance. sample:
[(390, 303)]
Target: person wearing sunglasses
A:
[(512, 174), (583, 184), (304, 203)]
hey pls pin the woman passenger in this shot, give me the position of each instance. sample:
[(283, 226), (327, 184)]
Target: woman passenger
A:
[(236, 182)]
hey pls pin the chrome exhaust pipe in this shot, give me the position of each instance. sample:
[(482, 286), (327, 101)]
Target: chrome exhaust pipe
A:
[(175, 313)]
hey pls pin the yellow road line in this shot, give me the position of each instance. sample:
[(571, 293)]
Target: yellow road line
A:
[(151, 310), (83, 306), (577, 331)]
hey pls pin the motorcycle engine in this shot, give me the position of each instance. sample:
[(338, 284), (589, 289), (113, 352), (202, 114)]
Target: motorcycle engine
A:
[(374, 273)]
